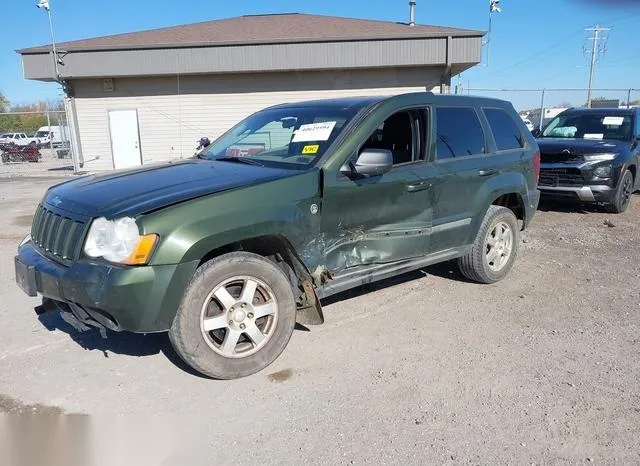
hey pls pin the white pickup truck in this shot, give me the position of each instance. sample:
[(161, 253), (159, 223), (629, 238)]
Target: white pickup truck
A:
[(19, 139)]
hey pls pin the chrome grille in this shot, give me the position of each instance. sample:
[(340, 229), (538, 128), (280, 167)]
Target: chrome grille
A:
[(57, 236)]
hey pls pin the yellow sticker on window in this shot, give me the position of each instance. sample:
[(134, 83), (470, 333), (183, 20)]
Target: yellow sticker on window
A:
[(313, 149)]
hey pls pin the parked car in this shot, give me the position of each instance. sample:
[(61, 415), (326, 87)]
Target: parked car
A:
[(226, 251), (591, 155), (528, 124), (19, 139)]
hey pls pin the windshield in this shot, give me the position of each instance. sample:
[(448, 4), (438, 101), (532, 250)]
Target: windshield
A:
[(590, 125), (6, 136), (42, 134), (295, 136)]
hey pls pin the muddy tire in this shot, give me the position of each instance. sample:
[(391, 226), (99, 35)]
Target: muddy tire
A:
[(495, 248), (623, 194), (236, 317)]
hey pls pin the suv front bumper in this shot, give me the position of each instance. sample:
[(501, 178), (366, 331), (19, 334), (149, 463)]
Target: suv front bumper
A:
[(595, 193), (137, 299), (575, 181)]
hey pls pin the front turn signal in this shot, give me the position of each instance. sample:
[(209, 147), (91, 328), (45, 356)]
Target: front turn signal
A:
[(143, 250)]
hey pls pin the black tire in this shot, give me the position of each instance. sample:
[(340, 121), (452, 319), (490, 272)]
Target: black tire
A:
[(623, 194), (475, 265), (194, 345)]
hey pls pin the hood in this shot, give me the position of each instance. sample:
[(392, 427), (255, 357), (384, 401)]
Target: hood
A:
[(133, 192), (564, 150)]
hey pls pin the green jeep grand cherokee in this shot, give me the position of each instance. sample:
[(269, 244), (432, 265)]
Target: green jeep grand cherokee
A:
[(295, 203)]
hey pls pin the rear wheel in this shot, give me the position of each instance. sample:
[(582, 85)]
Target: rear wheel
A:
[(623, 194), (236, 316), (495, 248)]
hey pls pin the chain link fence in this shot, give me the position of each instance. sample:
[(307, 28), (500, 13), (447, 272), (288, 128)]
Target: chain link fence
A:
[(33, 141), (539, 106)]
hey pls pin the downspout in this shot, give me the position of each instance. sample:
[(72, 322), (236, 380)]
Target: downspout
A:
[(445, 79), (72, 121)]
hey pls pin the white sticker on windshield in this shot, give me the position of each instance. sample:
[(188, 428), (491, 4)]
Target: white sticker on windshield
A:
[(613, 121), (314, 132), (593, 136)]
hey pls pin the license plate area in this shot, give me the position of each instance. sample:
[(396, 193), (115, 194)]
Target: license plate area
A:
[(26, 277)]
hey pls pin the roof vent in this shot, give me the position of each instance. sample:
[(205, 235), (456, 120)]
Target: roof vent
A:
[(412, 12)]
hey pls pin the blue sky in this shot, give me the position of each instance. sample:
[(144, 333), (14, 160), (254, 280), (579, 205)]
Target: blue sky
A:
[(534, 44)]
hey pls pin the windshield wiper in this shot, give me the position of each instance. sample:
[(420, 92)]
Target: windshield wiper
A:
[(245, 160)]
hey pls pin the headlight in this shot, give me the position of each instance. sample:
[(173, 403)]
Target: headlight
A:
[(596, 157), (119, 241), (603, 172)]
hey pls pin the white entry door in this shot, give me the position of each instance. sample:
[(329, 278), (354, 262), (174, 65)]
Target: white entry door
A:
[(125, 138)]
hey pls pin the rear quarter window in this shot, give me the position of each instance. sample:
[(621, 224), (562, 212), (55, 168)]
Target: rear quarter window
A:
[(506, 131), (458, 133)]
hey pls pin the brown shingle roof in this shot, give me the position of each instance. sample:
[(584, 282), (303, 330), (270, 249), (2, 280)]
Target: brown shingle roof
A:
[(257, 29)]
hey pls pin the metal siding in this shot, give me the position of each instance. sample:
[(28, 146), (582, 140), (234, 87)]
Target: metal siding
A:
[(38, 67), (273, 57), (170, 124), (466, 50)]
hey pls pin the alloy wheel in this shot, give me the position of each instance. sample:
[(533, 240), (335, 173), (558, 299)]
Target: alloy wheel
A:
[(498, 246), (239, 316)]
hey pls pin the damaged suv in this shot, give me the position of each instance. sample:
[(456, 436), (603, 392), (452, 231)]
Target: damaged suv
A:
[(295, 203)]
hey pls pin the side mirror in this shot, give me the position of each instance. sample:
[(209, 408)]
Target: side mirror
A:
[(372, 162), (536, 132)]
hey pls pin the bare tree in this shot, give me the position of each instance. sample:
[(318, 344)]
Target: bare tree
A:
[(4, 103)]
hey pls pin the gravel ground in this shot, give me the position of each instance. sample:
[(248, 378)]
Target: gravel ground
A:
[(426, 368), (48, 166)]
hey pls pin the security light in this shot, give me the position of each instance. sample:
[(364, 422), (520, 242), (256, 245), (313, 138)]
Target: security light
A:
[(44, 4)]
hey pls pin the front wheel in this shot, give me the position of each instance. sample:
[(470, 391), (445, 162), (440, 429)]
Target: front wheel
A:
[(623, 194), (236, 316), (495, 248)]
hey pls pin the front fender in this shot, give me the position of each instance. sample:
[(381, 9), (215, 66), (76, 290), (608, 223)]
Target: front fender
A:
[(190, 230)]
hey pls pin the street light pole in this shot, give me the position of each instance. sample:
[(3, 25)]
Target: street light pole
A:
[(53, 45), (44, 4)]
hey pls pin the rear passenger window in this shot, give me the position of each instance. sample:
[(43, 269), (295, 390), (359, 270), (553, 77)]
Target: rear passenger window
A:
[(505, 131), (458, 133)]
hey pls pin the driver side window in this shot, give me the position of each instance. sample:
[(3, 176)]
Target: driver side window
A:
[(395, 134)]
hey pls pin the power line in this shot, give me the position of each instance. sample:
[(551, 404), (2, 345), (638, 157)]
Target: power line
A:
[(598, 49), (620, 60), (613, 22)]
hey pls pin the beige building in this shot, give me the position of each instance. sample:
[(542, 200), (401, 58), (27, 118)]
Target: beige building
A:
[(149, 96)]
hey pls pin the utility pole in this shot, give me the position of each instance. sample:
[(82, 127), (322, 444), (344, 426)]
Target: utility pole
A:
[(596, 50), (494, 7)]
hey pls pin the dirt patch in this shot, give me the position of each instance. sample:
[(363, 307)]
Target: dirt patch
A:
[(9, 405), (280, 376)]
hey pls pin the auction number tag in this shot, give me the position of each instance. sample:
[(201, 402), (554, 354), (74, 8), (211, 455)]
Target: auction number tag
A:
[(314, 132)]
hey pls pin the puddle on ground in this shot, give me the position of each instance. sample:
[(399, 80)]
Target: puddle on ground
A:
[(280, 376), (23, 220), (10, 405)]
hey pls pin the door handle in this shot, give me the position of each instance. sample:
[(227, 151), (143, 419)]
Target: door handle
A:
[(419, 186), (489, 172)]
